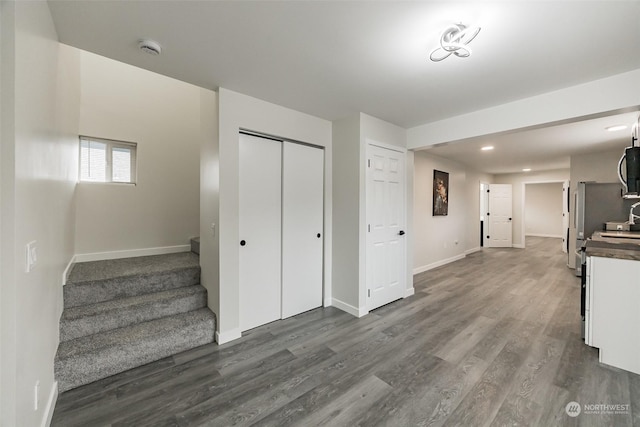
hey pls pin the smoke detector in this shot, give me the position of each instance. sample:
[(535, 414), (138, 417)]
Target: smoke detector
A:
[(149, 46)]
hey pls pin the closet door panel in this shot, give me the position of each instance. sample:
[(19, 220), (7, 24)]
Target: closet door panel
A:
[(302, 233), (260, 231)]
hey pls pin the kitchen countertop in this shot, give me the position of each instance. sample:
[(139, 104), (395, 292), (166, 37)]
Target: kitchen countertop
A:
[(607, 246)]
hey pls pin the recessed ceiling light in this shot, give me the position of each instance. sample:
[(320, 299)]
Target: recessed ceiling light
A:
[(487, 148), (616, 127), (526, 170)]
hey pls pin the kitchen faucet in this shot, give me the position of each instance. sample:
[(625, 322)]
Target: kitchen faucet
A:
[(632, 216)]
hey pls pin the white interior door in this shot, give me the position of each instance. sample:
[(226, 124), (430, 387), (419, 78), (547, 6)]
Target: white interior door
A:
[(565, 216), (386, 265), (500, 216), (302, 228), (260, 231)]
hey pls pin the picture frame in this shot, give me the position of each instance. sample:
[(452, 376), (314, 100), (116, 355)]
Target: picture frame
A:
[(440, 193)]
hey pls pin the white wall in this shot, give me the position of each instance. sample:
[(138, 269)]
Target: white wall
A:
[(346, 274), (162, 115), (40, 98), (442, 239), (240, 111), (598, 97), (517, 181), (543, 210), (209, 198)]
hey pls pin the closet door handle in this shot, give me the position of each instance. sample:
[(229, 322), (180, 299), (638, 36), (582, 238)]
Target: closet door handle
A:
[(401, 232), (318, 235), (242, 243)]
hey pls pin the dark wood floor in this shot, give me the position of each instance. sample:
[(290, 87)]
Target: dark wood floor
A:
[(493, 339)]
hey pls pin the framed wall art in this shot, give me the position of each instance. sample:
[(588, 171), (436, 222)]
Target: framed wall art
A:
[(440, 193)]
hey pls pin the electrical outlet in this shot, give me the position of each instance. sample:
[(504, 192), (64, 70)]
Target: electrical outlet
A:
[(31, 256), (36, 396)]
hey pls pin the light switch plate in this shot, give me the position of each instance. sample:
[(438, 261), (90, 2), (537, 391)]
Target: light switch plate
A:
[(31, 256)]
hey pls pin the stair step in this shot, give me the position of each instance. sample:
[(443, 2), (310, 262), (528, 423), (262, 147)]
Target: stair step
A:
[(90, 358), (90, 319), (195, 245), (98, 281)]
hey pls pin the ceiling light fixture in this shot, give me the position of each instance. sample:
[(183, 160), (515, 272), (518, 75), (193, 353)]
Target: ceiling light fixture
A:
[(487, 148), (149, 46), (454, 40), (526, 170), (616, 127)]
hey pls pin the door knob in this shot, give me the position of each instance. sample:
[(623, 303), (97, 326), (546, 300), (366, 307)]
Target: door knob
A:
[(242, 243), (401, 232)]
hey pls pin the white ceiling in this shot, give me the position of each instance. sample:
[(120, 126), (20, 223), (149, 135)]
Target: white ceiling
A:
[(541, 149), (333, 59)]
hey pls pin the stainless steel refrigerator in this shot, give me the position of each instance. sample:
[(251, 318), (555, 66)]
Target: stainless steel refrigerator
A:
[(596, 204)]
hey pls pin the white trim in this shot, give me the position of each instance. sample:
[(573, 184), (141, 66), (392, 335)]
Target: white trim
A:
[(131, 253), (328, 302), (472, 251), (555, 236), (386, 146), (518, 245), (225, 337), (409, 292), (67, 270), (51, 404), (440, 263), (357, 312)]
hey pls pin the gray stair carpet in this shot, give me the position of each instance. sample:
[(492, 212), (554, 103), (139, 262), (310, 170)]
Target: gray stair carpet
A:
[(91, 319), (98, 356), (121, 314), (97, 281)]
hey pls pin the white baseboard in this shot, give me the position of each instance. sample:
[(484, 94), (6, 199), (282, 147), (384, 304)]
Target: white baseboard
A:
[(554, 236), (131, 253), (409, 292), (328, 302), (517, 246), (471, 251), (357, 312), (67, 270), (51, 405), (225, 337), (440, 263)]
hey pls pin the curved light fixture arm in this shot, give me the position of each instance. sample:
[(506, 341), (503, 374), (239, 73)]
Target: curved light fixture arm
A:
[(454, 40)]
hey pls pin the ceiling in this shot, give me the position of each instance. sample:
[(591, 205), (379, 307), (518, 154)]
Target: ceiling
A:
[(546, 148), (333, 59)]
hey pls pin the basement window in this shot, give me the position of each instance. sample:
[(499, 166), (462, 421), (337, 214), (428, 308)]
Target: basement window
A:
[(105, 160)]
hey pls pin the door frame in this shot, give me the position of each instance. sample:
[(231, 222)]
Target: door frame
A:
[(523, 204), (364, 236)]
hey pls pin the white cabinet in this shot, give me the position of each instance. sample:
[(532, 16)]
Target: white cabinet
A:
[(281, 229), (613, 311)]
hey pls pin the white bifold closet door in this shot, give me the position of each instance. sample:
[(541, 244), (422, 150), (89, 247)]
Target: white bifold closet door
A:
[(302, 227), (281, 229), (260, 189)]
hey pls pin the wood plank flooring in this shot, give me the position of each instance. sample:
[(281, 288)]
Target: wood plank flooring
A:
[(491, 340)]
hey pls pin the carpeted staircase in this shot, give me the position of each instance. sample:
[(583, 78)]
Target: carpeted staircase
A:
[(120, 314)]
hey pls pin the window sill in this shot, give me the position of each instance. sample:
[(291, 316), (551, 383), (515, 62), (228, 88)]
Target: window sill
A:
[(126, 184)]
